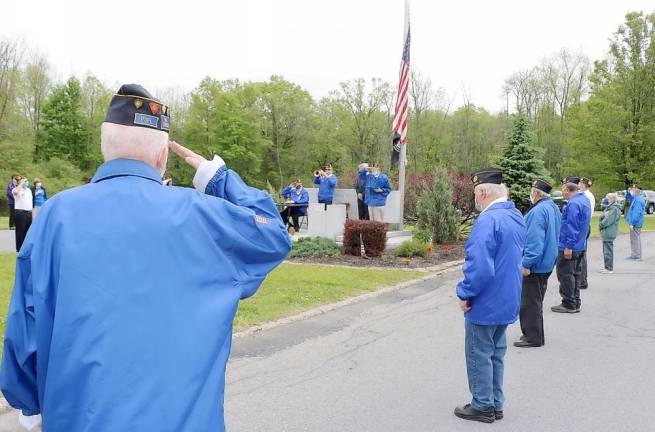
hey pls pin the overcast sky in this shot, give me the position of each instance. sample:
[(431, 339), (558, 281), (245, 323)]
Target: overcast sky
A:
[(463, 46)]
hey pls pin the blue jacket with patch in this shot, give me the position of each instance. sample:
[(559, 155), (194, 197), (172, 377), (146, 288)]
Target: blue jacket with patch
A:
[(124, 297), (635, 216), (373, 198), (326, 186), (492, 267), (543, 223), (576, 218), (298, 197)]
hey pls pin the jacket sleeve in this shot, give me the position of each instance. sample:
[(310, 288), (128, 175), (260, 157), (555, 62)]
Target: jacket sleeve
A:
[(535, 239), (18, 379), (304, 198), (610, 218), (317, 180), (332, 181), (479, 266), (285, 192), (259, 242), (386, 188)]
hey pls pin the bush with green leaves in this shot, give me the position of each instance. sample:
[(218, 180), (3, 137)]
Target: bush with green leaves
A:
[(315, 247), (438, 220), (412, 248)]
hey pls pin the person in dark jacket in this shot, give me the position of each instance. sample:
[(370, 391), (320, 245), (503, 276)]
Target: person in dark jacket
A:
[(490, 293), (11, 200), (360, 189), (543, 222), (572, 246), (609, 229)]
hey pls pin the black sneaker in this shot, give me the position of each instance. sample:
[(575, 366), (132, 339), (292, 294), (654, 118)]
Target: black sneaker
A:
[(467, 412), (499, 415), (560, 308)]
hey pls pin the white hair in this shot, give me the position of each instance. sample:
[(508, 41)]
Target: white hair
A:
[(132, 142), (611, 197), (363, 165), (493, 190)]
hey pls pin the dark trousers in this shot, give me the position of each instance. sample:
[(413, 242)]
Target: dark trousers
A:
[(11, 216), (362, 209), (582, 280), (294, 213), (23, 219), (326, 202), (608, 254), (532, 307), (568, 271)]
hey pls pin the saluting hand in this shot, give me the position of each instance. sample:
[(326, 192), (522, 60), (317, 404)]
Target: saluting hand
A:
[(193, 159)]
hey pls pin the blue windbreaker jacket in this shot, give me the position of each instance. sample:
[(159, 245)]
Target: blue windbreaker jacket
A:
[(125, 293), (377, 199), (575, 224), (543, 223), (635, 216), (297, 198), (326, 186), (492, 267)]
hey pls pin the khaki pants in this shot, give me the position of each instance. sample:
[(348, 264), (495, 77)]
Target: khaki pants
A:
[(376, 213)]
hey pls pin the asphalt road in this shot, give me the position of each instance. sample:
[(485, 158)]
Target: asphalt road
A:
[(396, 363)]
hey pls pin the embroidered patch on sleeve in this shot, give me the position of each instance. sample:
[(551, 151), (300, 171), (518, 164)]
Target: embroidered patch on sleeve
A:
[(146, 120), (261, 219), (165, 122)]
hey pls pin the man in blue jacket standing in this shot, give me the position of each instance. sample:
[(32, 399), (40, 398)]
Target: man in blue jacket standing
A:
[(490, 293), (378, 188), (543, 222), (572, 246), (635, 219), (327, 183), (126, 290)]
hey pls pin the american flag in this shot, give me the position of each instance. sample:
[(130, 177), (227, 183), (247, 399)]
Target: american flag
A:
[(402, 98)]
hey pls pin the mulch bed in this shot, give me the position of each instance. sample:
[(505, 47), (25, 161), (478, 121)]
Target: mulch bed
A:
[(440, 255)]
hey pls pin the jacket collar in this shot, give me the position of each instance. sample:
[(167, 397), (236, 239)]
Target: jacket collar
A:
[(125, 167)]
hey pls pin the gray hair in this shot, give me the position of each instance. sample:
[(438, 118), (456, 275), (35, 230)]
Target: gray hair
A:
[(611, 197), (131, 142), (493, 190), (571, 187)]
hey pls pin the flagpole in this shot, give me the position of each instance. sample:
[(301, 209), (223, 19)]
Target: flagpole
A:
[(403, 147)]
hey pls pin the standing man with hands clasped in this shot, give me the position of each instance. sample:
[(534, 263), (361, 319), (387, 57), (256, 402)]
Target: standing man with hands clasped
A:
[(126, 290), (572, 246), (490, 293), (543, 222), (635, 220)]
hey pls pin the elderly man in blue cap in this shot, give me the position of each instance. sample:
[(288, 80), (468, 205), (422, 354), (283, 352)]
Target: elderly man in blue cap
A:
[(490, 293), (125, 291)]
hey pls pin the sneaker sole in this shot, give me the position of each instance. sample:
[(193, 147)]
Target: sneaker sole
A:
[(476, 418)]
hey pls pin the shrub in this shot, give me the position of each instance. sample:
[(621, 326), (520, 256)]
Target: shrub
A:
[(437, 217), (462, 194), (314, 247), (412, 248), (374, 235)]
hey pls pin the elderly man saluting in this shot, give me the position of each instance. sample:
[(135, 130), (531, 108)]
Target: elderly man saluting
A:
[(543, 222), (125, 291), (490, 293)]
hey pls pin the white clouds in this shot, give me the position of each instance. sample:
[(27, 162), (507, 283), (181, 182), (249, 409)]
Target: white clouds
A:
[(473, 44)]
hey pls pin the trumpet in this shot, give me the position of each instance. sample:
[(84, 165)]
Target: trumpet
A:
[(318, 172)]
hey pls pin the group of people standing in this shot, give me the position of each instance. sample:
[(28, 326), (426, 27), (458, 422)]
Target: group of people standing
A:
[(371, 185), (24, 204), (509, 259)]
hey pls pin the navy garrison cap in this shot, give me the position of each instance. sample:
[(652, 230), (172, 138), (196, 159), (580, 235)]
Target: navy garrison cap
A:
[(133, 105), (571, 179), (487, 175), (542, 185)]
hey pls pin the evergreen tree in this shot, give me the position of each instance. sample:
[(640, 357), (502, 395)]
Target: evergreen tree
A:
[(520, 162), (437, 217), (64, 126)]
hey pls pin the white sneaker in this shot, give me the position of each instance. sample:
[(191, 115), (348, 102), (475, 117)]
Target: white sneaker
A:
[(605, 271)]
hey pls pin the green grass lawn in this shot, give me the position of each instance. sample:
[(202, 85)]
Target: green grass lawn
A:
[(289, 289), (4, 222), (649, 225)]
